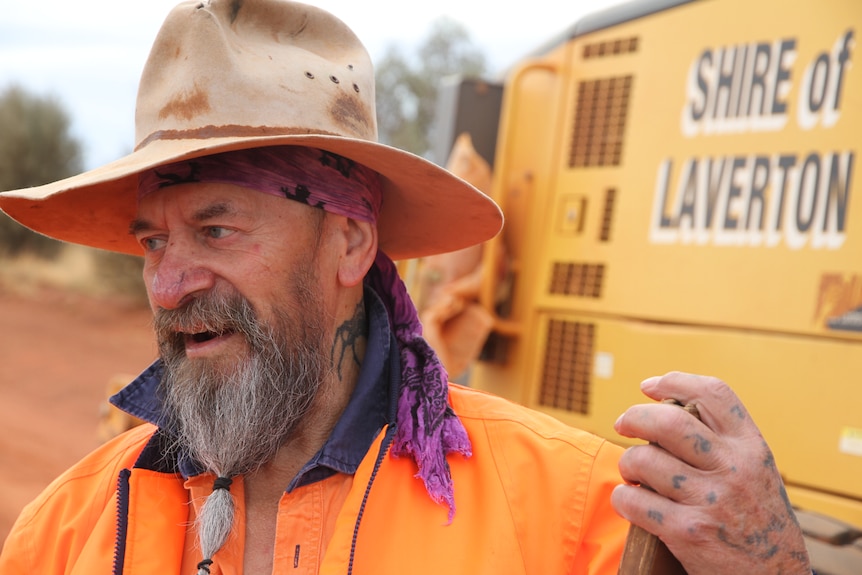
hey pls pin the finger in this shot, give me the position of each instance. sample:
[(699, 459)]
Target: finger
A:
[(652, 467), (673, 429), (647, 510), (719, 407)]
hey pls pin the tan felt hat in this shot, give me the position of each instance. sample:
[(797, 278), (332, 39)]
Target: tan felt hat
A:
[(231, 74)]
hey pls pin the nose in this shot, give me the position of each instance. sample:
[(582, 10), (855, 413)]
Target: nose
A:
[(177, 277)]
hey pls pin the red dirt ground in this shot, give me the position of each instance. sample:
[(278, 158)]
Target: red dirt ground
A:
[(57, 353)]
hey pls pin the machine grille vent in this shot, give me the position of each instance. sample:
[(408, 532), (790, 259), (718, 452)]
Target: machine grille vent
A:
[(600, 121), (577, 279), (611, 48), (607, 214), (567, 369)]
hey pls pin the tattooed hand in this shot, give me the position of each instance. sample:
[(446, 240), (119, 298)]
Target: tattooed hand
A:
[(719, 503)]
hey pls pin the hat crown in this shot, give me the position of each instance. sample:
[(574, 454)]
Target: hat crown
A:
[(237, 74), (246, 68)]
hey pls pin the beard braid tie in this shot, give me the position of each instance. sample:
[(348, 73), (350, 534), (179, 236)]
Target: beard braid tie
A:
[(215, 522), (222, 483)]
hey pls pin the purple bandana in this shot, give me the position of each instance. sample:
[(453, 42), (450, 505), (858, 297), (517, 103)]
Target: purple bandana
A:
[(312, 177), (427, 428)]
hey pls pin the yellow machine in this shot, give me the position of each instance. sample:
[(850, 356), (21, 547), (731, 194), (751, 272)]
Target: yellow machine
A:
[(679, 181)]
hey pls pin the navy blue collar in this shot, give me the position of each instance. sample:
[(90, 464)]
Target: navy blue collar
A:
[(370, 408)]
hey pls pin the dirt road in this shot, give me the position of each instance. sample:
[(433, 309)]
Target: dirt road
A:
[(57, 353)]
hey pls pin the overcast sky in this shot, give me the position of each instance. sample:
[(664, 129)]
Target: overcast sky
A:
[(89, 53)]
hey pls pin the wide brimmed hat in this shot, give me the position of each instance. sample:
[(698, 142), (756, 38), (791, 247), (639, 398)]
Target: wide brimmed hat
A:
[(226, 75)]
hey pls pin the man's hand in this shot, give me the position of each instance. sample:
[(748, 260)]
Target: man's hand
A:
[(718, 503)]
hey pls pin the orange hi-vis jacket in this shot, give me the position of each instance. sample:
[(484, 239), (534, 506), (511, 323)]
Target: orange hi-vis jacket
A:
[(534, 498)]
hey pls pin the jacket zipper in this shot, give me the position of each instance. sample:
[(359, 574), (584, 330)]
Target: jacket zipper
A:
[(384, 449), (122, 521)]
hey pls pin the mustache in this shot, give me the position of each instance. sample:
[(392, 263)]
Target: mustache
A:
[(207, 316)]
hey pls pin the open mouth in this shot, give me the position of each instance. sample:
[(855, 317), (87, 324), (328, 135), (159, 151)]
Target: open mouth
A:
[(205, 336)]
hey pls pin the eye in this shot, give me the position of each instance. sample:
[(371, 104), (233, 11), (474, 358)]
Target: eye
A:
[(217, 232), (152, 244)]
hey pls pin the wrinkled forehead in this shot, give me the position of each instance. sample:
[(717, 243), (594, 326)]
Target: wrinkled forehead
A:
[(197, 195)]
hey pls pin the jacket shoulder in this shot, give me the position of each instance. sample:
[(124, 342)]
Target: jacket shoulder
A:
[(91, 482), (476, 407), (556, 481)]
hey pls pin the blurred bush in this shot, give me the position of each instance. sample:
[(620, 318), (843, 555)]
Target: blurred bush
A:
[(36, 148)]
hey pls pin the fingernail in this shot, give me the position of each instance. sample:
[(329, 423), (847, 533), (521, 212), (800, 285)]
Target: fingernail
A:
[(649, 382), (617, 422)]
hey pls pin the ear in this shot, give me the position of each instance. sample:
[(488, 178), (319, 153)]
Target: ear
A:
[(361, 249)]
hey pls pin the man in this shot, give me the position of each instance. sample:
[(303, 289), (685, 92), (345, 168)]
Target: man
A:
[(299, 421)]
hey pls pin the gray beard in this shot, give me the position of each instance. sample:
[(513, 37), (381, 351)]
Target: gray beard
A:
[(233, 416)]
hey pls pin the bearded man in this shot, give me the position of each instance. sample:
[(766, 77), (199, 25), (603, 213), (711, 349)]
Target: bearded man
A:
[(298, 421)]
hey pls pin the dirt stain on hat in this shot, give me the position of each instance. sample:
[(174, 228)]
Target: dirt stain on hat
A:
[(186, 105)]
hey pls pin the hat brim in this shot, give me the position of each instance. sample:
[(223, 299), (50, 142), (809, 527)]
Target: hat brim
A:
[(426, 209)]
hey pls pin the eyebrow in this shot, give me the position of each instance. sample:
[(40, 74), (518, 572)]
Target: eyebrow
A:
[(140, 225), (213, 211)]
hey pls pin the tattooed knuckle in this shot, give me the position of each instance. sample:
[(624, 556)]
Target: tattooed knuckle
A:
[(655, 516)]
